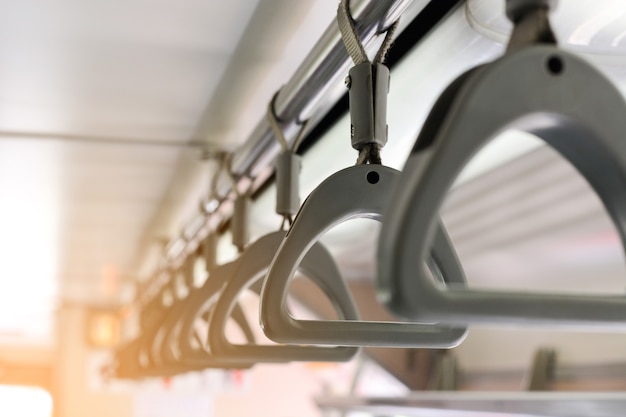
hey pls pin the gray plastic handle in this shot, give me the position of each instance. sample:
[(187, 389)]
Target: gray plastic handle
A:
[(542, 90), (200, 303), (127, 364), (165, 348), (358, 191), (160, 343), (157, 349), (317, 265), (200, 359)]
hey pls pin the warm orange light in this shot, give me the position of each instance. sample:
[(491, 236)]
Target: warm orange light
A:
[(103, 329)]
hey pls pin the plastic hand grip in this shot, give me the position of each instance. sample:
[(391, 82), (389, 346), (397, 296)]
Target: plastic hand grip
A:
[(317, 265), (359, 191), (542, 90), (127, 364), (157, 352), (199, 307)]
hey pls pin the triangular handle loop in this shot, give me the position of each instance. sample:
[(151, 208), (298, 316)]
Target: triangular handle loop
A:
[(318, 266), (544, 91), (359, 191)]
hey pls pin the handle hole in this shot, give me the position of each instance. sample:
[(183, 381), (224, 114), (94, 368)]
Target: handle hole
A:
[(555, 65), (373, 177)]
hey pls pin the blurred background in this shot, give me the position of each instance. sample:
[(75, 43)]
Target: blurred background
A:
[(108, 111)]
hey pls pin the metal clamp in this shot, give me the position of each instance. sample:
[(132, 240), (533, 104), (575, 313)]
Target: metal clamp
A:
[(288, 167), (239, 222), (359, 191), (368, 85), (550, 93), (317, 265)]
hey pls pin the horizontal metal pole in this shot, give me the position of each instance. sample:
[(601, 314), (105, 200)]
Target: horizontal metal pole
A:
[(314, 88)]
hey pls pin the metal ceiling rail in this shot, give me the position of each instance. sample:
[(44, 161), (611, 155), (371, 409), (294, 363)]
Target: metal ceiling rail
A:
[(314, 88)]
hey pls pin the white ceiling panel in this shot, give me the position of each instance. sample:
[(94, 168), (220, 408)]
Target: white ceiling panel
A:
[(137, 69)]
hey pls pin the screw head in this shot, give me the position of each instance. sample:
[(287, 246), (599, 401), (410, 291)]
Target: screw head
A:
[(347, 81)]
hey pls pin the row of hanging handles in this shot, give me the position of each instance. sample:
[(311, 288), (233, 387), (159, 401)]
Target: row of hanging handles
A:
[(534, 86)]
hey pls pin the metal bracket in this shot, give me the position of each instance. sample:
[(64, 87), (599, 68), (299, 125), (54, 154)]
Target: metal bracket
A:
[(544, 91), (361, 191)]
